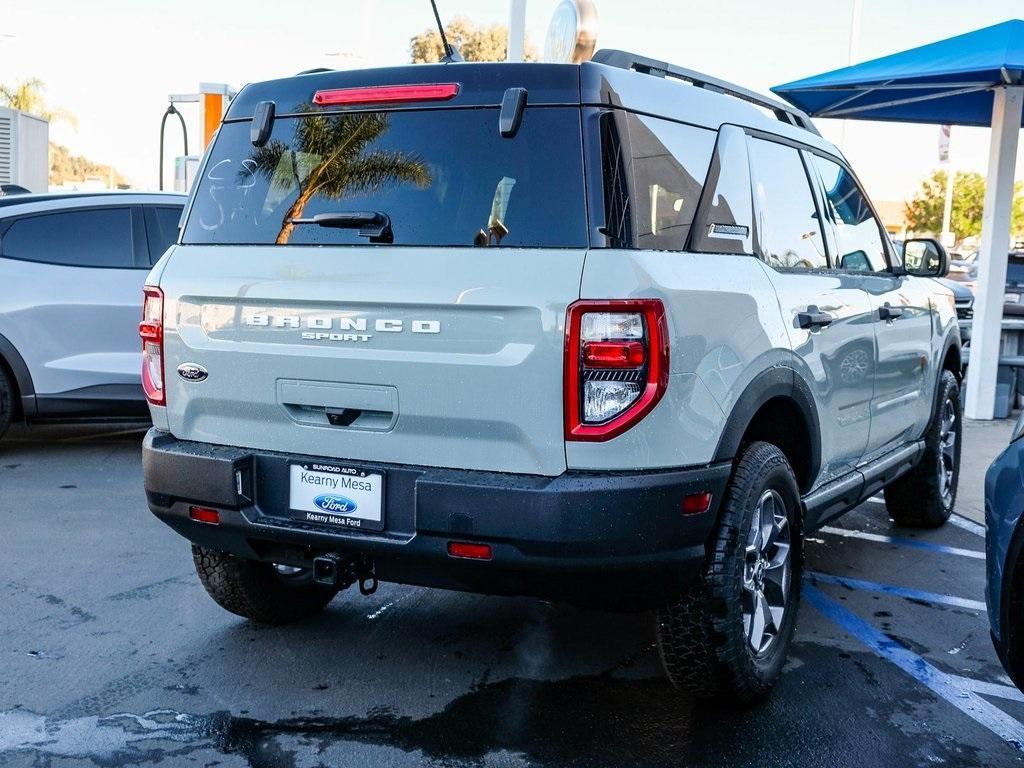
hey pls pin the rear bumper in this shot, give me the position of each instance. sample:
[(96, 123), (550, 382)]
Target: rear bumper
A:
[(590, 537)]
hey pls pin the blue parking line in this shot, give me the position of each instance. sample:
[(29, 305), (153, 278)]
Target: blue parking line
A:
[(889, 589), (948, 687), (902, 541)]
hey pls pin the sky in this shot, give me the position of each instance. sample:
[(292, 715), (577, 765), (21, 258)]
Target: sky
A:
[(114, 62)]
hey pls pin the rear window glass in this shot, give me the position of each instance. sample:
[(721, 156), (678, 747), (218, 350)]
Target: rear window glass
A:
[(99, 237), (442, 177)]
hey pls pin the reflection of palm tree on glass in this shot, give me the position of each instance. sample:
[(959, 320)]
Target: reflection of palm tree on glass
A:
[(330, 158)]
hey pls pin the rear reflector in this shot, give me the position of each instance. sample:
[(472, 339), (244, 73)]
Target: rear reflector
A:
[(204, 515), (471, 551), (387, 94), (696, 503)]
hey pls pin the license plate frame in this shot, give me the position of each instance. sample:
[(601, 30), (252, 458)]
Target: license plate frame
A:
[(319, 493)]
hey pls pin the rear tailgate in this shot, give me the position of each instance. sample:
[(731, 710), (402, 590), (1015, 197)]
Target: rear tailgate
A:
[(467, 374), (433, 337)]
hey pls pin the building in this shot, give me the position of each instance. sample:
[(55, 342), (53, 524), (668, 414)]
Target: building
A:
[(24, 150)]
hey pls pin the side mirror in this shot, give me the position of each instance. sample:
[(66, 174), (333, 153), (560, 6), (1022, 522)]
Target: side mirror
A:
[(925, 257)]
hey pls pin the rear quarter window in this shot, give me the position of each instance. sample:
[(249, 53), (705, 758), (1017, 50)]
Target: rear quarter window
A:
[(654, 171), (443, 177)]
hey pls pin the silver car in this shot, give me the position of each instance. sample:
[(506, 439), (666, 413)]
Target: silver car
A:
[(71, 268)]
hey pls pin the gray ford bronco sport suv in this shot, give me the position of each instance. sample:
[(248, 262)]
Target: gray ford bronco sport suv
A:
[(616, 333)]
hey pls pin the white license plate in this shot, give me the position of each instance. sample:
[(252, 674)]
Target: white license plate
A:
[(1011, 298), (335, 495)]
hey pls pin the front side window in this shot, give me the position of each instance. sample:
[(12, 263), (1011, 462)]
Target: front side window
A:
[(98, 237), (789, 230), (654, 172), (858, 232), (441, 177)]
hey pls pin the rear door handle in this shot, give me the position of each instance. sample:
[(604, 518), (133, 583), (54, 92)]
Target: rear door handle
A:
[(888, 312), (813, 318)]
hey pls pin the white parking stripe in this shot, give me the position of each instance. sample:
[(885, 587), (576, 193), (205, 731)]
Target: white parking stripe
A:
[(904, 542), (986, 688), (967, 524)]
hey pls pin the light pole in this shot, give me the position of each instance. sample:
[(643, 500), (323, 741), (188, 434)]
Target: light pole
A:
[(852, 53)]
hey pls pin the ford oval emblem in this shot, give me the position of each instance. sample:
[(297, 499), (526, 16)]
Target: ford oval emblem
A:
[(192, 372), (332, 502)]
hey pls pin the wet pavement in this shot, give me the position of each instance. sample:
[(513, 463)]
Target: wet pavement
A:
[(111, 654)]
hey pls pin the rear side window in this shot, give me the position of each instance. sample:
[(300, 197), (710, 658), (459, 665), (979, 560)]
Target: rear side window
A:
[(789, 231), (99, 237), (161, 229), (654, 172), (442, 177), (858, 232)]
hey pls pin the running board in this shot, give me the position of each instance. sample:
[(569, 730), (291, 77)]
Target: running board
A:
[(844, 493)]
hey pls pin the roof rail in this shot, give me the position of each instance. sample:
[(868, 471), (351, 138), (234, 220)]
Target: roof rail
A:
[(625, 60)]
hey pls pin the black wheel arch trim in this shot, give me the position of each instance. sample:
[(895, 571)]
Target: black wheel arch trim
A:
[(22, 376), (952, 340), (777, 381)]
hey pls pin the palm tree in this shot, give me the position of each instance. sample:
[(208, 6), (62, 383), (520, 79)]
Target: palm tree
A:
[(27, 96), (337, 151)]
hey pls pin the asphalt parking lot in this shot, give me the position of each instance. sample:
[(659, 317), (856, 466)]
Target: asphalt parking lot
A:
[(111, 653)]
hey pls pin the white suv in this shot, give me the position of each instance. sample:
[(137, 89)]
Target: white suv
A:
[(71, 267), (583, 332)]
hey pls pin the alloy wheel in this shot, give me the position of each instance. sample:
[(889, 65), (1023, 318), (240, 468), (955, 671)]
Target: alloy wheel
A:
[(766, 572), (947, 451)]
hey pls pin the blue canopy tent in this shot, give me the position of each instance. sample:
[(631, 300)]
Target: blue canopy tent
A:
[(972, 79)]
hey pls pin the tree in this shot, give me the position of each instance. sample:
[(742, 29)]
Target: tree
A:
[(68, 168), (924, 212), (333, 158), (27, 96), (474, 43)]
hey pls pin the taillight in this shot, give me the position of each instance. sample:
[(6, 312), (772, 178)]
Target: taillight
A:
[(616, 365), (151, 331), (387, 94)]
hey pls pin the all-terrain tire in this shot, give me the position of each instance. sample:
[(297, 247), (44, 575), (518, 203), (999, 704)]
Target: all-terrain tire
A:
[(702, 637), (924, 497), (257, 591), (7, 400)]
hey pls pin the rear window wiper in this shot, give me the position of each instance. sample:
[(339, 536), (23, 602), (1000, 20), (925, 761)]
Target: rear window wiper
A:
[(375, 225)]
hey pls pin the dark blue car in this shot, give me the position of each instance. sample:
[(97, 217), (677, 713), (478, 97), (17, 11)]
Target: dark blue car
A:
[(1004, 538)]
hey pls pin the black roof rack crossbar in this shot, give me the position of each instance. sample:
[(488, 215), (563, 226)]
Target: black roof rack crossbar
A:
[(625, 60)]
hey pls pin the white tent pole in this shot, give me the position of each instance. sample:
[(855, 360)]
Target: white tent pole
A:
[(986, 331)]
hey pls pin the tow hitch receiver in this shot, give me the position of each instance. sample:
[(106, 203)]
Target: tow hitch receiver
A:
[(341, 571)]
